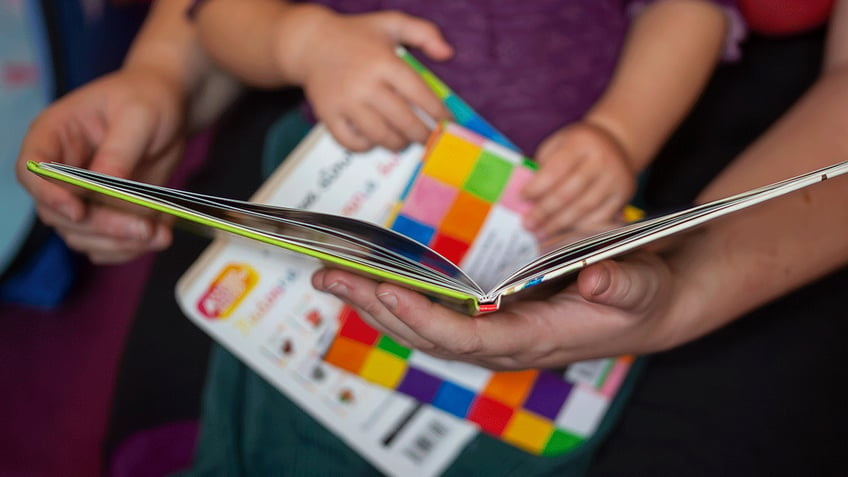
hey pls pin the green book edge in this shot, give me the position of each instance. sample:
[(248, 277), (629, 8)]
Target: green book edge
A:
[(469, 301)]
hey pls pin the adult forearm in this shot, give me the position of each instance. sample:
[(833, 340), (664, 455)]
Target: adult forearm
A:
[(670, 53), (744, 261)]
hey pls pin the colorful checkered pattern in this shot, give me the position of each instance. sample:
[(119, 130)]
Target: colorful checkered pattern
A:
[(541, 411), (464, 181), (460, 185)]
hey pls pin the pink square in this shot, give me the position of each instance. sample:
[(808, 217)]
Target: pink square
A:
[(511, 197), (429, 200)]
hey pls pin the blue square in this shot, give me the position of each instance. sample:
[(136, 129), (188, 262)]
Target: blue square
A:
[(413, 229), (453, 399)]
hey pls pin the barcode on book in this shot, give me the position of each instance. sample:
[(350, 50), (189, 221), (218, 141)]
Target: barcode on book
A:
[(422, 445)]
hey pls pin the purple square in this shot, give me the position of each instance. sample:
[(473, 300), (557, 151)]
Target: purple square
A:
[(419, 385), (548, 395)]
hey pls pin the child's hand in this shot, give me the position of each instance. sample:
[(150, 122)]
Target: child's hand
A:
[(584, 179), (126, 124), (359, 87)]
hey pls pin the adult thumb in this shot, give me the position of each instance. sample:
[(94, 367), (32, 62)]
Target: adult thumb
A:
[(632, 284)]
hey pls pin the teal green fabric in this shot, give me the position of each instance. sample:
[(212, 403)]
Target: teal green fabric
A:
[(249, 428)]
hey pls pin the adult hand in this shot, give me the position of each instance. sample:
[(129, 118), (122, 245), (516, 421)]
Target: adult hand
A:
[(615, 307), (127, 124), (584, 180)]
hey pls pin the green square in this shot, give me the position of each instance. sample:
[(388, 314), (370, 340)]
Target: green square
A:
[(489, 177), (389, 345), (561, 442)]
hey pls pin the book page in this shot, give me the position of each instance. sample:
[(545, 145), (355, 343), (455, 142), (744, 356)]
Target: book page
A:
[(259, 303)]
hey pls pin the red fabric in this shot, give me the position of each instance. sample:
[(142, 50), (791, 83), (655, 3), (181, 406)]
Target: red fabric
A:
[(784, 17)]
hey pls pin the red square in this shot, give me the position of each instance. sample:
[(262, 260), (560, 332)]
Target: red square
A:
[(354, 328), (490, 415), (450, 248)]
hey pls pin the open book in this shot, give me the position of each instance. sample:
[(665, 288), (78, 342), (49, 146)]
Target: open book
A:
[(390, 255)]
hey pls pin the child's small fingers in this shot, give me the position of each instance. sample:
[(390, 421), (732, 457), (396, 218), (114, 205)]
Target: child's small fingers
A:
[(412, 88), (419, 33), (376, 128), (346, 134), (401, 117)]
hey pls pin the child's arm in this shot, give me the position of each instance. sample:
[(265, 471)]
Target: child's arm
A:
[(346, 64), (588, 169)]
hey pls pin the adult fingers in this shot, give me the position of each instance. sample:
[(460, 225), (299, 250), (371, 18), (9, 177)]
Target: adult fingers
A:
[(102, 249), (126, 141), (48, 140), (362, 294), (631, 284)]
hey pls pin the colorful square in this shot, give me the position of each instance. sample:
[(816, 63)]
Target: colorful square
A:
[(489, 177), (419, 385), (465, 218), (561, 442), (511, 197), (391, 346), (528, 431), (453, 399), (450, 248), (429, 200), (548, 395), (451, 159), (583, 411), (347, 354), (492, 416), (354, 328), (510, 387), (413, 229), (383, 368)]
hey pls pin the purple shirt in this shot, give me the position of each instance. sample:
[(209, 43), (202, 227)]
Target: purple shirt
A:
[(529, 66)]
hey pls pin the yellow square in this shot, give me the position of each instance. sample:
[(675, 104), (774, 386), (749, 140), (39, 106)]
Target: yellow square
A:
[(528, 431), (451, 160), (383, 368)]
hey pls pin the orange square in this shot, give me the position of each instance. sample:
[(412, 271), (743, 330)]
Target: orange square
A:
[(510, 387), (347, 354), (465, 217)]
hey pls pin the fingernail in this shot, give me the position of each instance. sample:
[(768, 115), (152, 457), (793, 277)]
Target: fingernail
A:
[(388, 299), (337, 288), (602, 284)]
